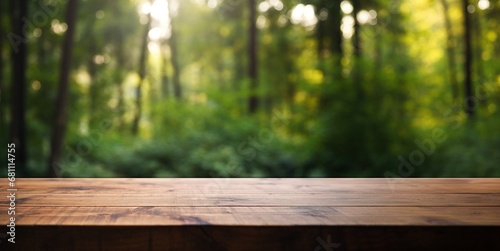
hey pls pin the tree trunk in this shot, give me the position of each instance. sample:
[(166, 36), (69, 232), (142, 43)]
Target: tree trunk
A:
[(142, 74), (378, 65), (332, 26), (173, 56), (335, 16), (478, 46), (119, 77), (2, 64), (469, 95), (320, 38), (356, 42), (164, 74), (356, 39), (92, 70), (253, 101), (61, 108), (92, 49), (450, 50), (19, 9)]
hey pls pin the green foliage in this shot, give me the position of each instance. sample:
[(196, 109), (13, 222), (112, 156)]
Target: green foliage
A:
[(348, 115), (471, 151), (197, 147)]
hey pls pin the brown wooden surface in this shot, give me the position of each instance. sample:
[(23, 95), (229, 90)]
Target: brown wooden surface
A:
[(274, 214), (256, 202)]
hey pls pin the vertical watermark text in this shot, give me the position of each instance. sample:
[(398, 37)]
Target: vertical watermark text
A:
[(11, 190)]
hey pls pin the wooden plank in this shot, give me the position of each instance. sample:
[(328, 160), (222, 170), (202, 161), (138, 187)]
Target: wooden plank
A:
[(246, 181), (259, 186), (174, 199), (229, 189), (255, 214), (258, 216), (256, 201), (271, 181)]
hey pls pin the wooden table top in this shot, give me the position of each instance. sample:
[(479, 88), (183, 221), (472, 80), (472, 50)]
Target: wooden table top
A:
[(254, 202)]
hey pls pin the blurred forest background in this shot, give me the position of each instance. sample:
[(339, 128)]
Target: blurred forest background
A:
[(251, 88)]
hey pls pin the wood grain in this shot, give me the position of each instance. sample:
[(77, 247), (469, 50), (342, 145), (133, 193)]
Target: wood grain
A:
[(241, 202), (260, 200), (259, 216), (217, 214), (258, 186)]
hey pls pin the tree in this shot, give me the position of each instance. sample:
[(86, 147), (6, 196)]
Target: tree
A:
[(173, 54), (335, 18), (356, 39), (2, 64), (253, 101), (164, 73), (320, 37), (119, 32), (276, 61), (356, 42), (19, 10), (61, 107), (119, 76), (450, 50), (329, 30), (478, 34), (142, 75), (231, 13), (467, 37), (92, 69)]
